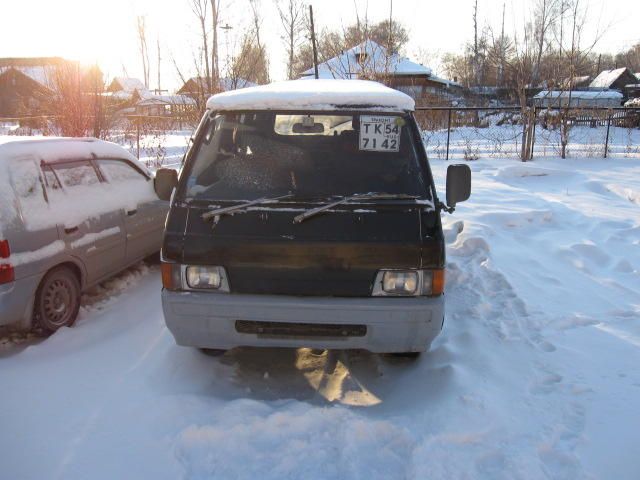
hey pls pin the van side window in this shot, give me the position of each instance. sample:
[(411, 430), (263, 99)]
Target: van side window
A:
[(116, 171), (74, 174)]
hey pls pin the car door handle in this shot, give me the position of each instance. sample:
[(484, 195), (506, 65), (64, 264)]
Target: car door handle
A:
[(70, 230), (132, 212)]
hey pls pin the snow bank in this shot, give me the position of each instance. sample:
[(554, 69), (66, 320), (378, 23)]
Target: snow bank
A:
[(314, 95), (535, 375)]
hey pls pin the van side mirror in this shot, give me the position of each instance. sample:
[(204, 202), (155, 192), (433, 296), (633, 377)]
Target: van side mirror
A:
[(458, 184), (164, 183)]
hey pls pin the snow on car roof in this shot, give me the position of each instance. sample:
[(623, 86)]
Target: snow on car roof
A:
[(314, 95), (51, 150)]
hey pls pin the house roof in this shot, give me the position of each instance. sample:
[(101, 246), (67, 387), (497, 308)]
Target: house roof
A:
[(44, 74), (607, 78), (368, 57), (128, 84), (314, 95), (580, 94), (43, 70), (225, 84), (166, 100)]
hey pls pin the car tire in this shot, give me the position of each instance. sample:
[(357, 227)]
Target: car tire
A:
[(57, 299)]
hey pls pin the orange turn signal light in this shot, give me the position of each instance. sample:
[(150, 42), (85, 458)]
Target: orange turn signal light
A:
[(438, 280)]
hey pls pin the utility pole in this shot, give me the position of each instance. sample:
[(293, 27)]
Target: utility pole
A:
[(313, 41), (226, 29), (159, 60), (389, 52)]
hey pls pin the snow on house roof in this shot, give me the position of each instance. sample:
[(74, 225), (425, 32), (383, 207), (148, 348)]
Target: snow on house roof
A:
[(43, 74), (314, 95), (368, 57), (606, 78), (580, 94), (51, 150), (129, 84), (166, 100), (225, 84)]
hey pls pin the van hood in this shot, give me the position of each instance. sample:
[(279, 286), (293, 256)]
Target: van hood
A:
[(336, 253)]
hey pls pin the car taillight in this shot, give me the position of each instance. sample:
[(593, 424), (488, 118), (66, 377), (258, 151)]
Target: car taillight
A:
[(5, 251), (7, 274)]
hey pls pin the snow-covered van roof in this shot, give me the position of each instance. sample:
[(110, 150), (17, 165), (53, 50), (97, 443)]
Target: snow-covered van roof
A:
[(51, 150), (314, 95)]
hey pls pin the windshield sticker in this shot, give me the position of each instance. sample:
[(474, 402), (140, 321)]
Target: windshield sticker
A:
[(380, 133)]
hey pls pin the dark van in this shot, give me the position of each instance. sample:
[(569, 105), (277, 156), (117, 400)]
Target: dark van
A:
[(306, 215)]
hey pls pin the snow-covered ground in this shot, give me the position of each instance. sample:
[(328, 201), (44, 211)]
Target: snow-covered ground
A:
[(535, 375)]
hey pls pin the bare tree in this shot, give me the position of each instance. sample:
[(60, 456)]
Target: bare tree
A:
[(256, 20), (292, 18), (200, 10), (80, 101), (144, 51)]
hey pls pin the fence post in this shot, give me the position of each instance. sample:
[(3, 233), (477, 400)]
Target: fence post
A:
[(606, 141), (138, 138), (523, 146), (448, 132), (533, 133)]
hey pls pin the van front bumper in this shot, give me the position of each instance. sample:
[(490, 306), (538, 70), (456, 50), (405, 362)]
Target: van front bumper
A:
[(208, 320)]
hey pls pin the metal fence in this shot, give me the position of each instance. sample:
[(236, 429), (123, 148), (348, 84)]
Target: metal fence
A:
[(465, 133), (470, 133)]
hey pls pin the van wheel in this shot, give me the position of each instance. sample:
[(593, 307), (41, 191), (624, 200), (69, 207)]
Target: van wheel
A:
[(57, 300), (408, 355), (213, 352)]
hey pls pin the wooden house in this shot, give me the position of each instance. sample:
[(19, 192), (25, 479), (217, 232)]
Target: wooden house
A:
[(370, 60), (28, 85), (616, 79)]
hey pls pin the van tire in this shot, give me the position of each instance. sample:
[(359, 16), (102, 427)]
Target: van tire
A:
[(213, 352), (407, 355), (57, 299)]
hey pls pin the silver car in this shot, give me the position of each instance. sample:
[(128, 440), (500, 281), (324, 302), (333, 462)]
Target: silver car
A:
[(73, 212)]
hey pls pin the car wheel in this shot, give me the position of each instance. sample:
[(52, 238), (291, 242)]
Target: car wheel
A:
[(57, 300)]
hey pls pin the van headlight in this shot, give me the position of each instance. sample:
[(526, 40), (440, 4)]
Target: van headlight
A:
[(203, 277), (194, 277), (408, 283)]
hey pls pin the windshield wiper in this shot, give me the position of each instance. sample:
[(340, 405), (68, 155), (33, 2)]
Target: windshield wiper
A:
[(350, 198), (218, 212)]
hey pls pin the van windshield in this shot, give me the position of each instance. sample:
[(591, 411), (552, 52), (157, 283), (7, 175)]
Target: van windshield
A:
[(245, 156)]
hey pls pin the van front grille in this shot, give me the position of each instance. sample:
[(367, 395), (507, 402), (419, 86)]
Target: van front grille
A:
[(285, 329)]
